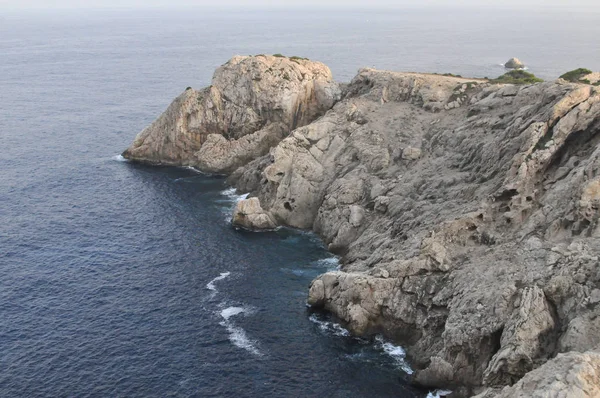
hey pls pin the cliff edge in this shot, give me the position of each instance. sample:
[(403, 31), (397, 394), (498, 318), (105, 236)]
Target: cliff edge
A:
[(466, 214), (252, 103)]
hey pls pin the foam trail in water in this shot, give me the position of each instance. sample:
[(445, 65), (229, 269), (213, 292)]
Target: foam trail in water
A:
[(120, 158), (232, 311), (439, 394), (329, 327), (237, 335), (397, 353), (211, 285)]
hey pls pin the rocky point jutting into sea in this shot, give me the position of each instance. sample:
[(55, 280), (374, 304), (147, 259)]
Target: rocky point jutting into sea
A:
[(465, 211)]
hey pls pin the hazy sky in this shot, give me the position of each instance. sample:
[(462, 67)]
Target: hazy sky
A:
[(16, 4)]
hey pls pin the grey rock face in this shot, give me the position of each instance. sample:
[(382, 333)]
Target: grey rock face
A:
[(572, 375), (478, 243), (466, 215), (514, 63), (252, 104)]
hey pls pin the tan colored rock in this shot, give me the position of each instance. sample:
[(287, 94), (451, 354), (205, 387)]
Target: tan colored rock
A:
[(593, 78), (522, 339), (250, 215), (252, 104), (514, 63), (411, 153), (572, 375)]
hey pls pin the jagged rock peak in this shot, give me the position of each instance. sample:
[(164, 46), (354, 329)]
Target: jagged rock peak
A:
[(253, 102)]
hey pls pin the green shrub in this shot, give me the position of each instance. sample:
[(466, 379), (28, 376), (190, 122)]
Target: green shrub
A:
[(279, 55), (296, 58), (188, 88), (575, 75), (517, 76)]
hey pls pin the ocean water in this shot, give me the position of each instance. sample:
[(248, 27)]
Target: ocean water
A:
[(126, 280)]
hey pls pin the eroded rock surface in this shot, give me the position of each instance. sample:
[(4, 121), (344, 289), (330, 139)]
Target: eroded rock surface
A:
[(249, 214), (252, 104), (572, 375), (466, 215)]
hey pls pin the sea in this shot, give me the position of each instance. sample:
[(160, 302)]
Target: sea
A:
[(124, 280)]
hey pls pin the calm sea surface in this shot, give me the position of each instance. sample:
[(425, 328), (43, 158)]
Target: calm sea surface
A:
[(125, 280)]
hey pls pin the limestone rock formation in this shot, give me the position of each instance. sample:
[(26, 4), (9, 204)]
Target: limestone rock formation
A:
[(465, 213), (252, 104), (249, 214), (476, 246), (571, 375), (514, 63)]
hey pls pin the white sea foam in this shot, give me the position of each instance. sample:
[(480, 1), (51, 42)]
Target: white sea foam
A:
[(239, 338), (233, 196), (523, 68), (232, 311), (195, 170), (331, 263), (439, 394), (211, 285), (120, 158), (397, 353), (237, 335), (329, 327)]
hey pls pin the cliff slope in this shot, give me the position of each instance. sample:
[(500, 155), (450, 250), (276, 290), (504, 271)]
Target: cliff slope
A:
[(466, 214)]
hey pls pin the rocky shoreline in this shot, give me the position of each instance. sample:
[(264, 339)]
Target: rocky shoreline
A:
[(465, 212)]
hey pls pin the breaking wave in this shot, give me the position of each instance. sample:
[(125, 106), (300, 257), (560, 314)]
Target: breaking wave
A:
[(329, 327), (397, 353)]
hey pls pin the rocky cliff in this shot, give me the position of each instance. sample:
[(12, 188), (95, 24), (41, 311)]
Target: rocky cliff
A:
[(252, 104), (466, 213)]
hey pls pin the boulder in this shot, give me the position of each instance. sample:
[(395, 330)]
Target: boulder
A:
[(250, 215), (514, 63)]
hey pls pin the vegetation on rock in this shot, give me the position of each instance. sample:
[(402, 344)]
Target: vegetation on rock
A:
[(517, 77), (575, 75)]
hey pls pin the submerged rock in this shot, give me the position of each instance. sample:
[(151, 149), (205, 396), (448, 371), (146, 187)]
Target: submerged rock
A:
[(466, 214), (514, 63)]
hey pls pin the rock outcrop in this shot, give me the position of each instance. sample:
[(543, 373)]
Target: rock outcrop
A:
[(249, 214), (514, 63), (568, 375), (252, 104), (466, 215)]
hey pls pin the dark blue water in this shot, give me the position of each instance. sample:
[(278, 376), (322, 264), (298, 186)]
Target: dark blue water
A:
[(107, 266)]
